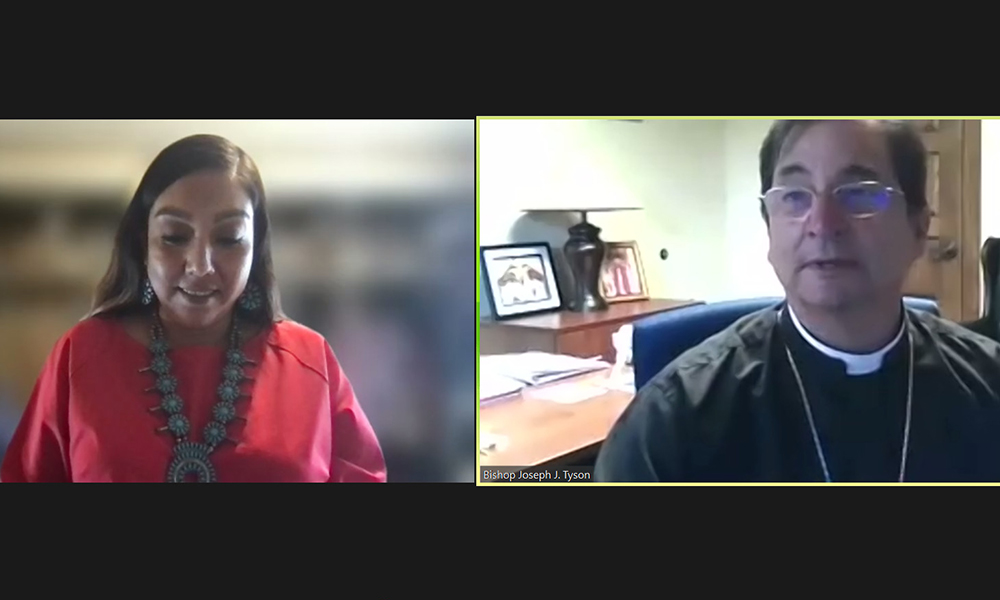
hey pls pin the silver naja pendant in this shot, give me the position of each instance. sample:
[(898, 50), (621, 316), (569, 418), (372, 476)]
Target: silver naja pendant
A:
[(191, 458)]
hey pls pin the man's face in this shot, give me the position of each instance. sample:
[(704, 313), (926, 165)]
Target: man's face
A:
[(828, 255)]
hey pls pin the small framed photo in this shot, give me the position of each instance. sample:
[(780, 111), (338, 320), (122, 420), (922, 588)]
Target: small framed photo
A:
[(520, 279), (622, 276)]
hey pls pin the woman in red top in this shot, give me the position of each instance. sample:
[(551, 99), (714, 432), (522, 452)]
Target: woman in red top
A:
[(187, 370)]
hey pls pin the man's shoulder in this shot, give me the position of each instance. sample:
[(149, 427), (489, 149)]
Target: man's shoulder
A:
[(676, 419), (739, 348), (744, 341), (958, 344)]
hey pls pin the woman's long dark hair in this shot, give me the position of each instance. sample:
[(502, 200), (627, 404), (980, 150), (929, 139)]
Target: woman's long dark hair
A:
[(120, 291)]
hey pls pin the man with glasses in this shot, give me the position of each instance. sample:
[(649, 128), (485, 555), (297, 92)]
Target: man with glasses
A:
[(840, 382)]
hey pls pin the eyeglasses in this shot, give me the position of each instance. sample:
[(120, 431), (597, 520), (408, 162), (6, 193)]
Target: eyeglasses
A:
[(860, 200)]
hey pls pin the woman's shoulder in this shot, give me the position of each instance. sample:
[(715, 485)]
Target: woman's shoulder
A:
[(92, 331), (292, 333), (93, 336), (307, 345)]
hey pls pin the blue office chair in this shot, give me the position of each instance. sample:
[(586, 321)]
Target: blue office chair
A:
[(659, 339)]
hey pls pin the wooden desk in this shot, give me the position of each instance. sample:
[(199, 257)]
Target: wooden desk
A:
[(541, 431), (577, 334)]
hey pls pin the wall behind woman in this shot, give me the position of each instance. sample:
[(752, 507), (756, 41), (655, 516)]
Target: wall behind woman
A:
[(368, 216), (9, 416)]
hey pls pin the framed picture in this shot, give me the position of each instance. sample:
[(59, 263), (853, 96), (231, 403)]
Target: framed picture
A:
[(520, 279), (622, 277)]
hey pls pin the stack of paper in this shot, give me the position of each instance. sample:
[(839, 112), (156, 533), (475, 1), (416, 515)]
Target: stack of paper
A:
[(537, 368), (493, 385), (568, 393)]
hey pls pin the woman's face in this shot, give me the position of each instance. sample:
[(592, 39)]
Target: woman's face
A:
[(200, 248)]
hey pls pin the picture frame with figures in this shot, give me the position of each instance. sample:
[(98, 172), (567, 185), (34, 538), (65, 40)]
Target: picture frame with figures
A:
[(520, 280), (622, 276)]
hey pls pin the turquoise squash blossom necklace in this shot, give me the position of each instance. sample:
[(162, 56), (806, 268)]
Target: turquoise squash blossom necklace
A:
[(191, 458)]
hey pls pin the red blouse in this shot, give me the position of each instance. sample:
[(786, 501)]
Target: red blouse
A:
[(89, 418)]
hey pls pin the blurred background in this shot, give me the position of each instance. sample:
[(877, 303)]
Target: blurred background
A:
[(374, 222)]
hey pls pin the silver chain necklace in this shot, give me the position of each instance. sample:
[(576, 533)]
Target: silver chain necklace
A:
[(812, 424)]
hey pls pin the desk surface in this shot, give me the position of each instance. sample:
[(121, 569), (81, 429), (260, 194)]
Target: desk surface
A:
[(540, 431)]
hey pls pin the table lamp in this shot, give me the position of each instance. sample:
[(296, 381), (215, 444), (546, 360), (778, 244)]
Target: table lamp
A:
[(584, 252)]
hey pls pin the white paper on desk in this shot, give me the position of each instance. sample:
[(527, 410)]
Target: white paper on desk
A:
[(621, 379), (493, 385), (491, 442), (536, 368), (568, 393), (621, 386)]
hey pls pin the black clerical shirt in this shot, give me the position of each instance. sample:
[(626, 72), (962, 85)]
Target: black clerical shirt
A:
[(730, 410)]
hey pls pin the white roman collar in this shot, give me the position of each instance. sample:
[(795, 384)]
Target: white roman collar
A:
[(857, 364)]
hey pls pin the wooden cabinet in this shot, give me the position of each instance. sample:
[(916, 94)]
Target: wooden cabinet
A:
[(576, 334)]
